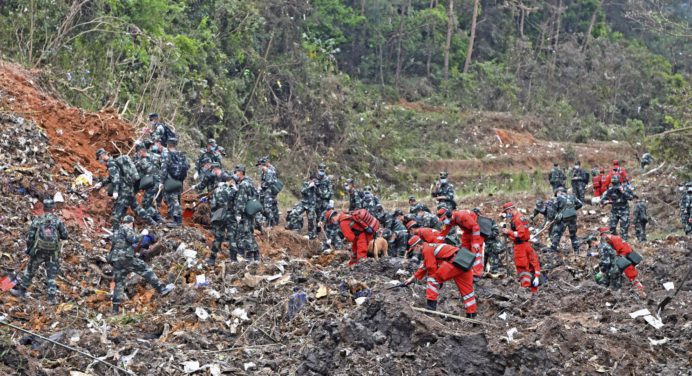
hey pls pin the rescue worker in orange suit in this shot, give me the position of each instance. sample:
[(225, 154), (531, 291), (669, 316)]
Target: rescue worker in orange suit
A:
[(429, 235), (596, 182), (353, 232), (437, 265), (622, 248), (471, 238), (617, 170), (525, 259)]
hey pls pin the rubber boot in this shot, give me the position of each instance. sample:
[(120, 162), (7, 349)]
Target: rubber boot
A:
[(116, 308), (431, 305), (256, 255)]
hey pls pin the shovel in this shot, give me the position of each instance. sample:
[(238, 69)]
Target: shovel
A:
[(668, 299)]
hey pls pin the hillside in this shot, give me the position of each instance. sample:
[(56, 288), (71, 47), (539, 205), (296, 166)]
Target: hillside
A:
[(296, 312)]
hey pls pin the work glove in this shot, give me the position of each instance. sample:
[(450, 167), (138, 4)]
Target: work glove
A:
[(476, 247), (144, 232), (536, 280), (204, 199), (598, 277), (409, 281), (98, 185), (329, 242), (115, 195), (368, 230), (196, 176), (160, 187), (237, 218), (558, 217), (592, 254)]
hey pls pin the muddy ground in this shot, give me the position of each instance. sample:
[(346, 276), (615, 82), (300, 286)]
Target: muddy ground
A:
[(303, 312)]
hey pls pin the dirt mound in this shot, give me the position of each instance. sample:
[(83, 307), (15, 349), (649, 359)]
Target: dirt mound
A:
[(74, 135)]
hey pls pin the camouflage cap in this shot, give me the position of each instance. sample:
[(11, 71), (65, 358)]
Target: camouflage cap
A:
[(443, 174), (215, 165), (322, 167), (153, 115), (411, 198), (139, 146), (239, 167), (100, 152), (398, 212), (48, 203), (261, 161), (211, 141), (127, 219), (172, 141)]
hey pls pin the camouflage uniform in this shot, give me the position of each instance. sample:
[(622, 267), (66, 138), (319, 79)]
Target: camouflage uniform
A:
[(247, 245), (307, 204), (686, 211), (556, 178), (547, 209), (207, 155), (124, 262), (40, 256), (158, 134), (150, 165), (579, 180), (325, 192), (610, 275), (175, 212), (566, 207), (268, 196), (445, 189), (641, 218), (413, 209), (226, 228), (619, 197), (126, 194), (494, 248), (294, 217), (427, 220), (355, 200), (208, 182), (370, 201), (646, 160)]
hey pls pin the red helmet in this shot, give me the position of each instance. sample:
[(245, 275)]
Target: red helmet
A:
[(603, 230), (410, 224), (413, 241), (616, 162), (330, 213), (444, 212), (507, 205)]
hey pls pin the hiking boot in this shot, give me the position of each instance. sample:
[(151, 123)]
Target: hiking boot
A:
[(431, 305), (471, 315), (166, 290), (52, 300), (18, 291), (116, 309)]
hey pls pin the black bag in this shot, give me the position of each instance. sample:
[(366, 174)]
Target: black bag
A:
[(178, 166), (635, 257), (622, 262), (252, 207), (277, 187), (464, 259), (167, 134), (172, 185), (218, 215), (486, 225), (147, 182)]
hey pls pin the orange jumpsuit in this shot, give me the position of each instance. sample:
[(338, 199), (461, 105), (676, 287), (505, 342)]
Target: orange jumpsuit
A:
[(437, 265), (525, 258), (623, 249), (356, 235), (471, 235)]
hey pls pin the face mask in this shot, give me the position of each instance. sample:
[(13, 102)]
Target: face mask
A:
[(447, 221), (443, 181), (321, 173)]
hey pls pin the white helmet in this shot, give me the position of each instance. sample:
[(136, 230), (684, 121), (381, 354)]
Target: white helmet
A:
[(58, 198)]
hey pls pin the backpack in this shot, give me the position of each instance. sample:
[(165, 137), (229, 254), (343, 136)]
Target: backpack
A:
[(128, 169), (47, 236), (486, 224), (167, 134), (178, 166), (365, 219)]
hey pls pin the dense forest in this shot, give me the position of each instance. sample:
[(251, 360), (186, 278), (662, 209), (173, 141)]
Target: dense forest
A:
[(321, 80)]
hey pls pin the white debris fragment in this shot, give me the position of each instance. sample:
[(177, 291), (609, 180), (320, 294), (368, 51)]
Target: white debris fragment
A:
[(641, 312), (249, 365), (361, 300), (669, 286), (401, 272), (240, 313), (393, 282), (654, 321), (214, 369), (201, 313), (503, 316), (511, 333), (658, 342), (190, 366)]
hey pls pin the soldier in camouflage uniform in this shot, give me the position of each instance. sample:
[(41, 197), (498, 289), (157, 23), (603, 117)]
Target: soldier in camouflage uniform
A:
[(149, 165), (579, 180), (646, 160), (398, 242), (425, 219), (547, 209), (308, 201), (556, 177), (247, 245), (325, 192), (443, 192), (609, 274), (123, 191), (209, 154), (160, 131), (566, 206), (413, 203), (618, 196), (224, 225), (43, 247), (370, 201), (641, 218), (686, 209), (168, 164), (268, 191), (122, 258), (207, 180), (332, 231), (355, 197)]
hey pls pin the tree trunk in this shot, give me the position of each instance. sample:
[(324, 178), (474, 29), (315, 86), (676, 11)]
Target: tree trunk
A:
[(469, 51), (400, 35), (381, 58), (521, 20), (557, 32), (592, 23), (431, 45), (448, 43)]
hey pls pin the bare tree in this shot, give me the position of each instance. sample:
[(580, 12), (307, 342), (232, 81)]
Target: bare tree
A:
[(469, 51), (400, 36), (448, 43)]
